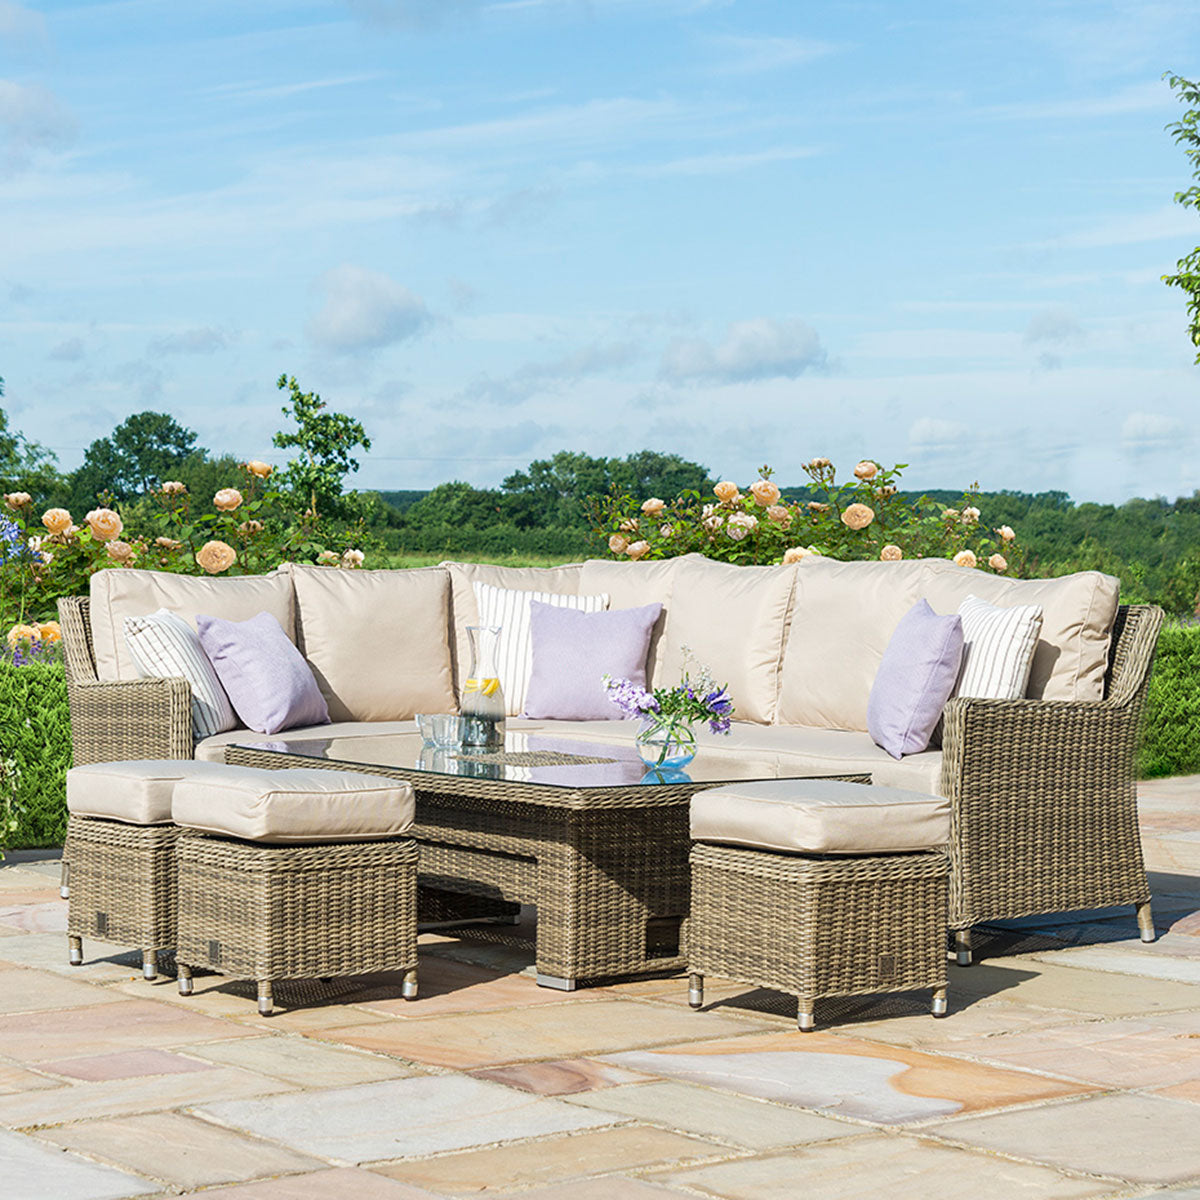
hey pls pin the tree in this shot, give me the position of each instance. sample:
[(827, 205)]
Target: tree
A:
[(326, 441), (1186, 133), (144, 451)]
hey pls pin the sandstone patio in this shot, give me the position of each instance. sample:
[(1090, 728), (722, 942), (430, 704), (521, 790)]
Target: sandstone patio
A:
[(1069, 1067)]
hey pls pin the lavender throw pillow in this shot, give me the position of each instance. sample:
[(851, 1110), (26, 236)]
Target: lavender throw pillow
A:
[(915, 678), (268, 682), (573, 651)]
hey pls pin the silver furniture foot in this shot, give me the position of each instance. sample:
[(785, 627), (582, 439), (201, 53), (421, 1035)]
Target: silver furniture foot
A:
[(1145, 920), (962, 947), (149, 964), (939, 1006), (266, 998), (185, 979), (557, 982), (64, 886), (75, 951), (408, 988), (805, 1021), (696, 990)]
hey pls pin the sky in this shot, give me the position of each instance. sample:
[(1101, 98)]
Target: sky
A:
[(920, 231)]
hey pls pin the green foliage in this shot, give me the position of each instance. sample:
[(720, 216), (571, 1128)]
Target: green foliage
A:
[(25, 465), (1186, 133), (1171, 743), (35, 752), (141, 454), (326, 441)]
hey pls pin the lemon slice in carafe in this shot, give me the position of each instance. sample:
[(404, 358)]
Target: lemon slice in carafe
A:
[(487, 687)]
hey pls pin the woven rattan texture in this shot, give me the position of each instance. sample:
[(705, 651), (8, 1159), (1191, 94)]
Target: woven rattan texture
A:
[(122, 882), (275, 912), (529, 758), (819, 927)]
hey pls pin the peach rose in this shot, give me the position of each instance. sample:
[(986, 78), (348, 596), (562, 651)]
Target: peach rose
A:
[(49, 631), (666, 531), (18, 500), (819, 464), (866, 470), (57, 520), (629, 525), (216, 557), (618, 544), (796, 553), (726, 491), (173, 488), (168, 543), (104, 524), (741, 524), (817, 506), (23, 633), (950, 514), (858, 516), (765, 493), (653, 506), (246, 528), (966, 558), (778, 515), (638, 550), (120, 552), (351, 559), (891, 553), (1006, 532), (227, 499), (328, 558), (260, 469), (998, 562), (970, 516)]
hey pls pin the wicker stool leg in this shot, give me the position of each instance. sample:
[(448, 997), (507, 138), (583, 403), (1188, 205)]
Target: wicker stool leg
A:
[(696, 990), (805, 1020), (266, 998), (962, 947), (75, 951), (185, 979), (939, 1006), (1145, 920), (149, 964), (408, 988)]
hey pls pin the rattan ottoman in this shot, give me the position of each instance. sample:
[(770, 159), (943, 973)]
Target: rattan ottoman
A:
[(295, 874), (118, 868), (820, 889)]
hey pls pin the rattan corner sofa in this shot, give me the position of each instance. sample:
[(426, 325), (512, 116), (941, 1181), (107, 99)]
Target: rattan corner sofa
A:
[(1043, 789)]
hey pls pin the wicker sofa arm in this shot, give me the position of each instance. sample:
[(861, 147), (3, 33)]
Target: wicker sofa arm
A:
[(130, 719)]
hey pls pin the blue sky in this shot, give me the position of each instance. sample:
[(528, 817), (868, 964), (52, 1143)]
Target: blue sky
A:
[(925, 232)]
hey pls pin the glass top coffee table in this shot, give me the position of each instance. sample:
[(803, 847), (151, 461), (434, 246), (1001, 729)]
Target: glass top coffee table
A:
[(578, 828)]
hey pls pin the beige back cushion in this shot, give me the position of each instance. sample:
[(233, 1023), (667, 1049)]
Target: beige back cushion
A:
[(1078, 612), (632, 585), (734, 620), (121, 592), (378, 642), (464, 610), (843, 618)]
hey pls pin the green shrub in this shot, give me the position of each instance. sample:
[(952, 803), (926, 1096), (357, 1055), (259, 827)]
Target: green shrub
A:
[(1171, 744), (35, 752)]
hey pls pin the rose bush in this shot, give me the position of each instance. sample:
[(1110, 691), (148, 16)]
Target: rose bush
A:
[(862, 517)]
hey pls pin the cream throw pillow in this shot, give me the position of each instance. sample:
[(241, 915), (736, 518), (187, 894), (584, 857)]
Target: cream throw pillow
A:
[(998, 646)]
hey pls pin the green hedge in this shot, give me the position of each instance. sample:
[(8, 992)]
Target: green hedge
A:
[(35, 731)]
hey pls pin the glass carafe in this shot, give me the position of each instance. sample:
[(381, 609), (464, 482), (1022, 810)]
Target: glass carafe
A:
[(483, 706)]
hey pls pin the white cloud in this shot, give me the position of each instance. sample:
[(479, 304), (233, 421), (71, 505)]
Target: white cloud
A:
[(1138, 97), (19, 24), (202, 340), (757, 349), (410, 14), (936, 435), (1052, 325), (1170, 221), (364, 310), (754, 55), (72, 350), (32, 118), (1143, 431), (598, 358)]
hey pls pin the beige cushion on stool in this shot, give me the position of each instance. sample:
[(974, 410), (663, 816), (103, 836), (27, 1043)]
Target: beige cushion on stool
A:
[(137, 792), (820, 816), (298, 805)]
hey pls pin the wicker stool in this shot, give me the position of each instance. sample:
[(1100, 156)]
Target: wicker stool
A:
[(819, 888), (118, 870), (295, 874)]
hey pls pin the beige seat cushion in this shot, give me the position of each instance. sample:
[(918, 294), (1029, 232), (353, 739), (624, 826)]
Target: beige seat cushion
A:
[(1078, 612), (819, 816), (378, 642), (120, 592), (138, 793), (734, 620), (296, 805)]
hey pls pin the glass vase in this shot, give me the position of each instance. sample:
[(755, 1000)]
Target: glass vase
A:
[(483, 707), (666, 743)]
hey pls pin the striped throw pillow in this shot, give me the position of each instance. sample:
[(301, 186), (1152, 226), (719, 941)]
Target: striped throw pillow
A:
[(998, 646), (165, 646), (510, 610)]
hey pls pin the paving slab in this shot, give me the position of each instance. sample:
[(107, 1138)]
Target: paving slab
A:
[(124, 1064), (567, 1077), (394, 1119), (18, 1079), (29, 990), (48, 916), (200, 1154), (554, 1160), (1139, 959), (102, 961), (610, 1187), (899, 1168), (344, 1183), (547, 1031), (31, 1170), (301, 1062), (862, 1080), (753, 1124), (1142, 1139)]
